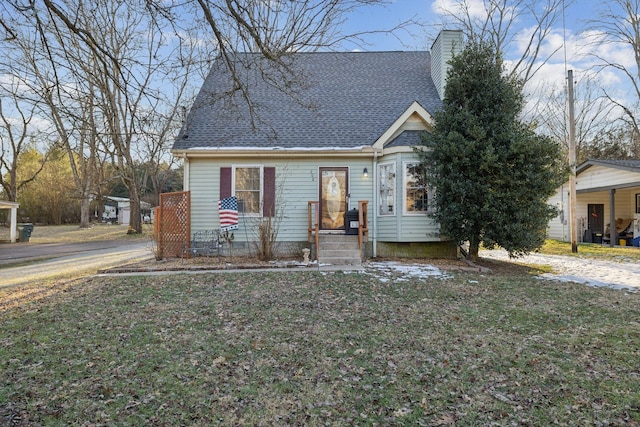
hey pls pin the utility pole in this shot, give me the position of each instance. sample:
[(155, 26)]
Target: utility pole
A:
[(573, 229)]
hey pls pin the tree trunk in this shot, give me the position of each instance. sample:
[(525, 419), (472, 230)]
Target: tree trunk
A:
[(474, 246), (135, 222), (85, 212)]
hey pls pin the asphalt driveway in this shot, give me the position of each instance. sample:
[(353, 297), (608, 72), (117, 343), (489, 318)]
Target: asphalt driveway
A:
[(25, 263)]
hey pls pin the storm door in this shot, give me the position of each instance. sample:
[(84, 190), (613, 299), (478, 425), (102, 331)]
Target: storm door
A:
[(334, 191)]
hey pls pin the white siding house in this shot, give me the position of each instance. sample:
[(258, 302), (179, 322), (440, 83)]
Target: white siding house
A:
[(607, 191)]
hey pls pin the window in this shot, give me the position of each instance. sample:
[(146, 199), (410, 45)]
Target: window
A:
[(415, 188), (387, 188), (249, 184), (247, 187)]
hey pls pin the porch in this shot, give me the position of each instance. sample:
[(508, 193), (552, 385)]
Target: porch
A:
[(328, 249), (607, 207), (598, 210)]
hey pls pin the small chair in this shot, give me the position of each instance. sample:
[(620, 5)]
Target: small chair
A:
[(203, 243)]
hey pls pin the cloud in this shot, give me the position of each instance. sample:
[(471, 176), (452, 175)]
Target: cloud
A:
[(473, 8)]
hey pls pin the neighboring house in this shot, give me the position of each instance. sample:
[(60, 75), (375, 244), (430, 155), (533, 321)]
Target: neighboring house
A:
[(606, 191), (12, 207), (349, 139), (118, 209)]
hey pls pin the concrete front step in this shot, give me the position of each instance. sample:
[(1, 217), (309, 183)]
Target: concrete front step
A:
[(336, 249)]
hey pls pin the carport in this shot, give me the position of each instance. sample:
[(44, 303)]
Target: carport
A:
[(13, 206), (607, 192)]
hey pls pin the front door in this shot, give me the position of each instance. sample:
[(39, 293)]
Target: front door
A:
[(596, 218), (334, 191)]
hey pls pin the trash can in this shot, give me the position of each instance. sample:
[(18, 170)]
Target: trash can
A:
[(351, 223), (25, 231), (597, 238)]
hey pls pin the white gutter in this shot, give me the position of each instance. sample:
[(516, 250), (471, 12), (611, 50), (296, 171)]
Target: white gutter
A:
[(185, 172), (274, 152)]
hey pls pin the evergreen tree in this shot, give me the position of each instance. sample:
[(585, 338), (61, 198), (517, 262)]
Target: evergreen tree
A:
[(491, 173)]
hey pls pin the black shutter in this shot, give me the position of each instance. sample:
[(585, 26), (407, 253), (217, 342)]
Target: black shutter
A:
[(225, 182)]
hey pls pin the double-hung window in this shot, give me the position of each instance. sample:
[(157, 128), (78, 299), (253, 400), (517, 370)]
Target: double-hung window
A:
[(254, 186), (248, 187), (387, 188), (416, 200)]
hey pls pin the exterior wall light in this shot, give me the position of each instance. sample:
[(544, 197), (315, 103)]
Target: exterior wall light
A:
[(365, 172)]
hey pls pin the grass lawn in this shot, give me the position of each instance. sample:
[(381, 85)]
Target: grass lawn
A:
[(305, 348), (592, 250), (72, 233)]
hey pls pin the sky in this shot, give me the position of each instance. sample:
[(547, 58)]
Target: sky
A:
[(425, 12), (568, 38), (421, 35)]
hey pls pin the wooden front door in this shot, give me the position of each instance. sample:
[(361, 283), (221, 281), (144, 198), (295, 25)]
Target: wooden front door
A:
[(334, 192)]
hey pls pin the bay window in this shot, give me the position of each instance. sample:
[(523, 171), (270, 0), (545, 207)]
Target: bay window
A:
[(416, 198)]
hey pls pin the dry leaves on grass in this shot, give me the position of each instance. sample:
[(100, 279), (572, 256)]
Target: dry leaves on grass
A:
[(302, 348)]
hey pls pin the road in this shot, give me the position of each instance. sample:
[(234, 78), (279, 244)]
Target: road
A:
[(28, 263)]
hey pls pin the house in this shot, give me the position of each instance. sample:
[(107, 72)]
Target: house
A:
[(607, 192), (12, 207), (118, 210), (345, 142)]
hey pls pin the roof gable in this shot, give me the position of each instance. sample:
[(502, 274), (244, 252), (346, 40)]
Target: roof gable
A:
[(628, 165), (399, 131), (356, 99), (601, 175)]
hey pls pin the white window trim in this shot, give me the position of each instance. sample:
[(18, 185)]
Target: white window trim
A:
[(395, 190), (233, 188), (404, 192)]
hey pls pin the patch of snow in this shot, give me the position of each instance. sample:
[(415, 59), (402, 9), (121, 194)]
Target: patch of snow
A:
[(387, 270), (622, 275)]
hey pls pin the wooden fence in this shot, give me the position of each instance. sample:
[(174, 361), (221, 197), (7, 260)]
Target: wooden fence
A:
[(172, 223)]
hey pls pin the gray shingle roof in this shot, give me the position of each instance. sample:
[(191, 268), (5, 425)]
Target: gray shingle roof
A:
[(356, 97), (627, 164)]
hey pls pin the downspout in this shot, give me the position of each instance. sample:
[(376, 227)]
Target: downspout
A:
[(375, 205), (185, 177)]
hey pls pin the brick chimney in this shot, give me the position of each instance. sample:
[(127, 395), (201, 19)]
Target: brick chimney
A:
[(448, 43)]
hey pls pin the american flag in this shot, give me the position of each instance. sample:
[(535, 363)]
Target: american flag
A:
[(228, 209)]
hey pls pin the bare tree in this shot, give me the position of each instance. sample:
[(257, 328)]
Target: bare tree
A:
[(127, 101), (593, 114), (142, 54), (615, 41), (499, 23), (17, 135), (57, 70)]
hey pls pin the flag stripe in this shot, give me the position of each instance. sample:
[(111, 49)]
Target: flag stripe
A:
[(228, 210)]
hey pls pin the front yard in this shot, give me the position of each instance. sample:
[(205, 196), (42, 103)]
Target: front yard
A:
[(305, 348)]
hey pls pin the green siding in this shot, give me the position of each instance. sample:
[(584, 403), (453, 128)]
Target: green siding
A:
[(296, 184), (403, 227)]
